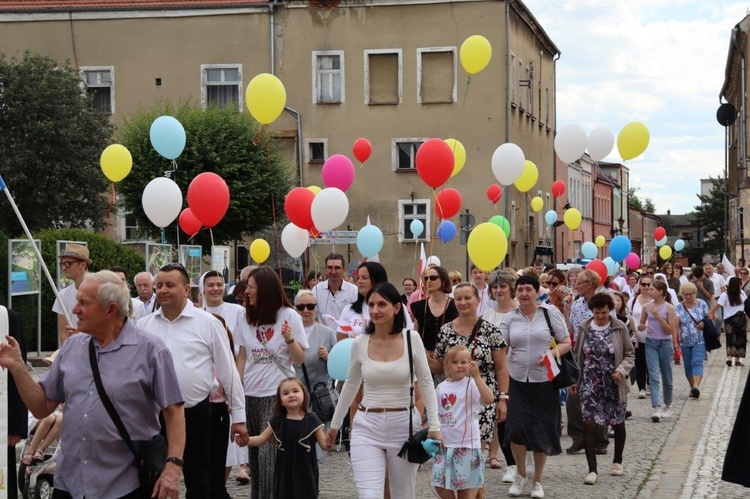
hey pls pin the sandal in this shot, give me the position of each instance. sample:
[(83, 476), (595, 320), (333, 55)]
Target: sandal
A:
[(738, 363), (27, 459), (38, 457), (495, 463), (243, 476)]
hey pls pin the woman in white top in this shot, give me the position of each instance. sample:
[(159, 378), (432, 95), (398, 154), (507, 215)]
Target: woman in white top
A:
[(379, 359), (271, 342), (635, 307), (735, 321)]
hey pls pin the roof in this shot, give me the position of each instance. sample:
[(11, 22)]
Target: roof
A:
[(100, 5)]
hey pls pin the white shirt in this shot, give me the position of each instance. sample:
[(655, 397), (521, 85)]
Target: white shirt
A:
[(358, 322), (262, 376), (719, 283), (730, 310), (485, 302), (148, 305), (139, 311), (68, 297), (458, 411), (234, 315), (201, 354), (333, 304)]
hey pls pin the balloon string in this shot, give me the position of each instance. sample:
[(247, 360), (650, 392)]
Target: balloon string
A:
[(163, 236), (210, 230), (277, 240), (109, 211), (463, 106)]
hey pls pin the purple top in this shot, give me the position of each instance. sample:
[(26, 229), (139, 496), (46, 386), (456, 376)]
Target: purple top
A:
[(654, 329), (139, 377)]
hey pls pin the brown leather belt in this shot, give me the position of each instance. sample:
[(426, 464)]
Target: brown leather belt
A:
[(382, 409)]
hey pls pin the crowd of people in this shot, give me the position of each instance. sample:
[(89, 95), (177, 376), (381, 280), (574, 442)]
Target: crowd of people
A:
[(468, 361)]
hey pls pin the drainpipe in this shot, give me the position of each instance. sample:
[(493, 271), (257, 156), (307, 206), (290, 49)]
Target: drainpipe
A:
[(272, 30), (507, 96)]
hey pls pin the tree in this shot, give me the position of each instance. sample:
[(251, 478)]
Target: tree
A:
[(50, 142), (640, 204), (223, 141), (709, 216)]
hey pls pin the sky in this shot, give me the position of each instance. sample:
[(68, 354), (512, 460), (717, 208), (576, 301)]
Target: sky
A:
[(660, 62)]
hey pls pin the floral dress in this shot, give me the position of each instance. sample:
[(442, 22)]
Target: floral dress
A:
[(487, 340), (598, 391)]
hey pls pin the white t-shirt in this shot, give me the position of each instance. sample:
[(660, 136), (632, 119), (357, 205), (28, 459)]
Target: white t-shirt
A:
[(68, 297), (358, 322), (458, 411), (730, 310), (139, 311), (262, 376), (485, 302), (719, 283), (234, 315), (333, 304)]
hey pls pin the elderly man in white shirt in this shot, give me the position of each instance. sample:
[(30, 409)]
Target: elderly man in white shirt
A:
[(201, 353), (334, 293)]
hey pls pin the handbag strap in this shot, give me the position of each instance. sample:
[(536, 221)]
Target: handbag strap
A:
[(691, 315), (411, 382), (107, 402), (307, 379), (549, 323)]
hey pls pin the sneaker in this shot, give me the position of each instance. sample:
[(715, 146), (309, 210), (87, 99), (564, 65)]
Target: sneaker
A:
[(519, 482), (656, 416), (642, 394), (616, 469), (590, 478), (510, 474), (666, 413), (695, 392), (537, 490), (529, 463)]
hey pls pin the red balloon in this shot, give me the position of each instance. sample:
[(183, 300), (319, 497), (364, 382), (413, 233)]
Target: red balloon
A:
[(434, 162), (362, 149), (297, 207), (494, 193), (208, 198), (600, 268), (188, 223), (448, 203), (558, 188), (659, 233)]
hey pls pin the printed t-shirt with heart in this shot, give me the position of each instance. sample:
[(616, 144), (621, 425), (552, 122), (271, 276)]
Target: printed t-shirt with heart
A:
[(262, 376), (458, 410)]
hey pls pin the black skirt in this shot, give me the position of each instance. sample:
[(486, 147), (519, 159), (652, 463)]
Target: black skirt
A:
[(534, 417), (738, 450)]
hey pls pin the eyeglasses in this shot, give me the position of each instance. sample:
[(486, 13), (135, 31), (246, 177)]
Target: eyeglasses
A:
[(688, 294), (309, 306), (430, 277), (178, 267), (66, 265)]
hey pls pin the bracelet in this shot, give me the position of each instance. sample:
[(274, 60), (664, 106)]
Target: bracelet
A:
[(289, 342), (504, 396)]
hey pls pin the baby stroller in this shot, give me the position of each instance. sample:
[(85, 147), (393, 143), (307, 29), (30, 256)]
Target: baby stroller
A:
[(36, 480)]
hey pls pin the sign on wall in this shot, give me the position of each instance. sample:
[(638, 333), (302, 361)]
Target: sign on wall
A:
[(220, 260), (24, 272), (191, 256)]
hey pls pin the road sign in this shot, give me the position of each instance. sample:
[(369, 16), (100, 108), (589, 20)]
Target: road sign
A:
[(337, 237)]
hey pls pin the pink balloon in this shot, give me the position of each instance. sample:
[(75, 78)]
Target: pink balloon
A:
[(338, 171), (633, 261)]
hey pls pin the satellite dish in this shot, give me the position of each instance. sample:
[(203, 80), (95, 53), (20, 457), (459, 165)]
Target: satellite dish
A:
[(726, 114)]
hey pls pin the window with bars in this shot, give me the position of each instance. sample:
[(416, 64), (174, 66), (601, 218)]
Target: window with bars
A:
[(221, 85), (99, 82)]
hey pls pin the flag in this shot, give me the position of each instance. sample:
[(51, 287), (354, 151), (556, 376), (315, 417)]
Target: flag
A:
[(551, 364), (421, 265), (728, 267)]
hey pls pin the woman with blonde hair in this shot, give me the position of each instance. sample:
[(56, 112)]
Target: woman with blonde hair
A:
[(691, 313)]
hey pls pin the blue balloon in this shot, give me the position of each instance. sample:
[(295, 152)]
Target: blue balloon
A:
[(338, 359), (612, 266), (679, 245), (589, 250), (167, 136), (619, 248), (417, 227), (369, 241), (550, 217), (661, 242), (446, 231)]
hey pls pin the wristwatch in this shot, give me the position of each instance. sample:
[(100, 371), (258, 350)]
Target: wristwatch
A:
[(176, 460), (289, 341)]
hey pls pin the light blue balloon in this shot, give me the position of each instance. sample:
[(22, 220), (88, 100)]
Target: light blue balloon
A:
[(417, 227), (369, 241), (446, 231), (661, 242), (679, 245), (612, 266), (167, 136), (619, 248), (589, 250), (338, 359), (550, 217)]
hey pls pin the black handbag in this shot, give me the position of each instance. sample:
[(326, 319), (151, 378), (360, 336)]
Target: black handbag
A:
[(710, 333), (412, 449), (569, 373), (709, 328), (320, 398), (150, 455)]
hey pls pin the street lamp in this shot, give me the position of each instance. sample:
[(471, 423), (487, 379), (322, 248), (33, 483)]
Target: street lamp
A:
[(620, 223)]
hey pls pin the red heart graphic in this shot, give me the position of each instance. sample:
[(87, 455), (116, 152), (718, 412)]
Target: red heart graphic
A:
[(267, 334), (452, 398)]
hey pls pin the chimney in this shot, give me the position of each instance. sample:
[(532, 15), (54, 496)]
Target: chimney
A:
[(669, 212)]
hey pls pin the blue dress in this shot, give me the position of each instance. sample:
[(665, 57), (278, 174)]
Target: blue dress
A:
[(599, 394)]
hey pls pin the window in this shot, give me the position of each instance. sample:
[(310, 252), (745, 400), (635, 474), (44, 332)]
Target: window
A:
[(403, 153), (221, 85), (512, 79), (383, 76), (99, 82), (436, 75), (520, 75), (546, 112), (328, 77), (529, 104), (513, 222), (316, 150), (540, 219), (131, 227), (409, 210)]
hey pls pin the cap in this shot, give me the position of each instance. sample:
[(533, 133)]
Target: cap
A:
[(77, 251)]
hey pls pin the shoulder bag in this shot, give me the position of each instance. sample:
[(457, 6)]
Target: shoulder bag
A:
[(412, 449), (150, 455), (710, 333), (569, 373)]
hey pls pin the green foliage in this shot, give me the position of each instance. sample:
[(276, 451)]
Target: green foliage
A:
[(50, 145), (104, 253), (634, 201), (222, 141), (709, 217)]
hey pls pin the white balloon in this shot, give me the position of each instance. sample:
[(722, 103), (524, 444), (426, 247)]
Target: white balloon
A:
[(162, 201), (508, 161), (601, 142), (329, 209), (294, 240), (570, 143), (433, 260)]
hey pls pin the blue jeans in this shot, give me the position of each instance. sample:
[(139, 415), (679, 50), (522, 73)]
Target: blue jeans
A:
[(692, 359), (659, 355)]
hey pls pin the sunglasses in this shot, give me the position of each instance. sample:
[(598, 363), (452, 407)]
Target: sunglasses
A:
[(308, 306), (645, 284), (553, 284), (430, 278), (67, 265)]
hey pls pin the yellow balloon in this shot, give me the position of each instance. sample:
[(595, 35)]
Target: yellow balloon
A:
[(459, 155), (260, 250), (475, 54), (632, 140), (600, 241), (665, 252), (116, 162), (487, 246), (528, 178), (537, 203), (265, 98), (315, 189), (572, 218)]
